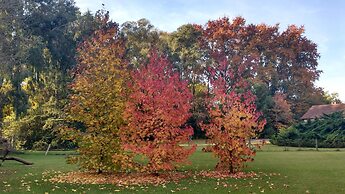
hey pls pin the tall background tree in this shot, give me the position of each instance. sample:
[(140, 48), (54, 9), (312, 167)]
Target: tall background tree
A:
[(141, 37), (186, 55), (38, 50), (13, 51), (287, 64), (233, 114)]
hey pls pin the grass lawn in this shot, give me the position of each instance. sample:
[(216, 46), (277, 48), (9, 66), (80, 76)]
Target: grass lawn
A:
[(293, 171)]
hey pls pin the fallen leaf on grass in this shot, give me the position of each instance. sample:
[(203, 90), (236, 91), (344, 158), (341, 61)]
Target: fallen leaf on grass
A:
[(226, 174)]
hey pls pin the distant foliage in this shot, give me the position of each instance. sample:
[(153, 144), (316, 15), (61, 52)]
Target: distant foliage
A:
[(282, 112), (156, 112), (186, 55), (141, 36), (332, 98), (39, 127), (329, 130)]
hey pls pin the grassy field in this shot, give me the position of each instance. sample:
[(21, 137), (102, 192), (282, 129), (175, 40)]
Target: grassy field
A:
[(295, 171)]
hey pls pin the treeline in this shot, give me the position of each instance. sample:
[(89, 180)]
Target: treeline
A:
[(39, 53)]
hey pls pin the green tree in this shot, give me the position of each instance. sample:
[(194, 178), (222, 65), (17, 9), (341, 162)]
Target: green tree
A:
[(141, 36), (185, 53), (13, 50), (327, 131), (275, 109), (38, 49), (49, 20)]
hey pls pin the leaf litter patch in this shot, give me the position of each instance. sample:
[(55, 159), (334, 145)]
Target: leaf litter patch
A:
[(139, 179), (119, 179)]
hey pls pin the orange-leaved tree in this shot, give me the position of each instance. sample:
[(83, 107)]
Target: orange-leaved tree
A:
[(232, 110), (233, 121), (98, 100), (156, 112)]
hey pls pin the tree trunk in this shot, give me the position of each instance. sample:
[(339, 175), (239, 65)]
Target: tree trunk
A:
[(47, 150), (316, 145), (16, 159)]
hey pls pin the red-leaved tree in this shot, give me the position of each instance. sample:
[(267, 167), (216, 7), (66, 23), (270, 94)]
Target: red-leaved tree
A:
[(233, 117), (156, 113)]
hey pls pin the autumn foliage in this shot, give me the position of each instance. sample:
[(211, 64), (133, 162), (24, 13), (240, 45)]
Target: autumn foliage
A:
[(232, 110), (124, 111), (156, 112), (233, 123), (282, 111), (285, 61), (98, 101)]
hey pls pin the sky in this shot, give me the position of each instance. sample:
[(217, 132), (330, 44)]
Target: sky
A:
[(324, 22)]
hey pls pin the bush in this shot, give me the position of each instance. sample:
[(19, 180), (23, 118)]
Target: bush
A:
[(328, 130)]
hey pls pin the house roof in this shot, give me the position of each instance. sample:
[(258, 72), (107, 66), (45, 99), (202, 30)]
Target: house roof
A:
[(318, 111)]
